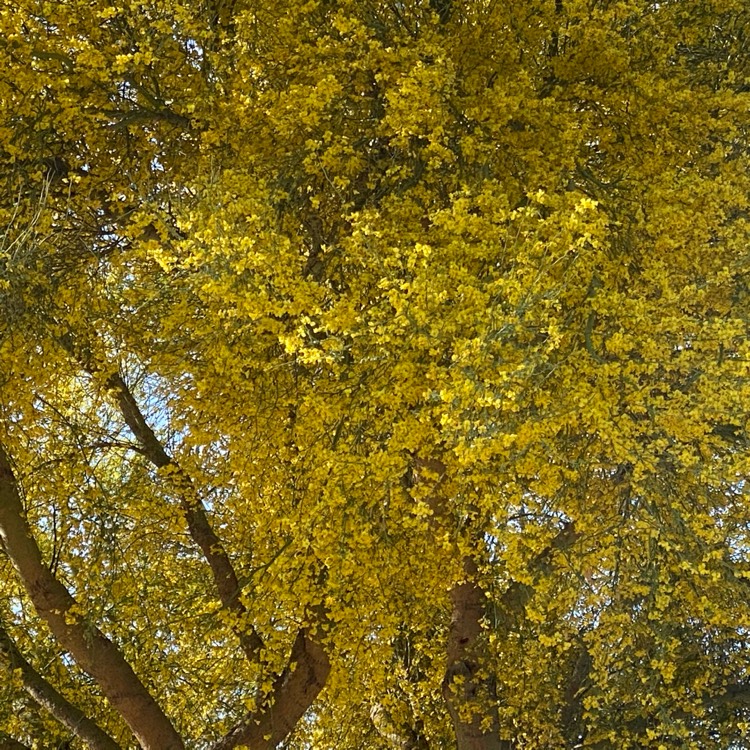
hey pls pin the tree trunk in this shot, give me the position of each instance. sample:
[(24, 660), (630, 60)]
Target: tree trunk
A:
[(468, 694)]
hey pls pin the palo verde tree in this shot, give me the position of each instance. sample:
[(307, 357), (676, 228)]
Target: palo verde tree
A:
[(374, 374)]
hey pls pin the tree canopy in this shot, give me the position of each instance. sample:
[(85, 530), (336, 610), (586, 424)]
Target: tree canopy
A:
[(374, 374)]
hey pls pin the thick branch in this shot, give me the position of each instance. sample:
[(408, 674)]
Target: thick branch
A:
[(93, 651), (44, 695), (224, 575), (293, 692), (295, 689), (469, 694), (737, 694), (199, 527), (299, 684), (571, 715), (8, 743)]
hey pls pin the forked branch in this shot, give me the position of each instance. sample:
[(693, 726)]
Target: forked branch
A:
[(92, 650), (46, 697), (297, 686)]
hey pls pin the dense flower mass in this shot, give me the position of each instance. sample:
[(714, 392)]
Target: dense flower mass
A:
[(374, 374)]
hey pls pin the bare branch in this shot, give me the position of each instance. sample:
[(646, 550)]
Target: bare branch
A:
[(8, 743), (44, 695), (293, 692), (93, 651), (200, 529), (301, 681), (224, 575), (737, 694), (575, 689)]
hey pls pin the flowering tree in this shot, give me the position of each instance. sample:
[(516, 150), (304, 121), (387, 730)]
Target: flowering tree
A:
[(374, 374)]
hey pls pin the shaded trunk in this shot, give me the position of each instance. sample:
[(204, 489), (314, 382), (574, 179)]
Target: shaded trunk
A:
[(469, 693)]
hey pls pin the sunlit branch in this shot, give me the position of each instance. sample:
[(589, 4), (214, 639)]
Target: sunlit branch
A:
[(45, 696), (201, 531), (94, 652), (297, 686), (293, 692), (225, 578)]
